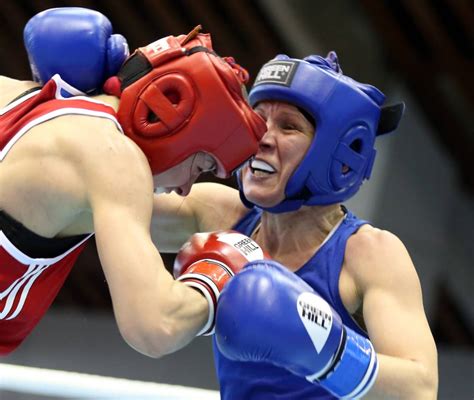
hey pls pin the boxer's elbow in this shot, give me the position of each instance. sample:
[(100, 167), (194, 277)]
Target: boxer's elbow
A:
[(167, 325), (154, 338), (421, 384), (426, 375), (428, 382)]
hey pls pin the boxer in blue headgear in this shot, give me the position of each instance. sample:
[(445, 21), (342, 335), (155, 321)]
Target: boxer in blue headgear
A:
[(323, 319), (346, 115)]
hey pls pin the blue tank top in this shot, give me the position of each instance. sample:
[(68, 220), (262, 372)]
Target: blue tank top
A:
[(263, 381)]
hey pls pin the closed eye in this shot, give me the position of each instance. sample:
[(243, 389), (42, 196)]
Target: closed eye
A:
[(291, 127), (211, 168)]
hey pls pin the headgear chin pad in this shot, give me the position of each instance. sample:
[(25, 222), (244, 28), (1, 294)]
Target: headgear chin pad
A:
[(346, 115), (178, 97)]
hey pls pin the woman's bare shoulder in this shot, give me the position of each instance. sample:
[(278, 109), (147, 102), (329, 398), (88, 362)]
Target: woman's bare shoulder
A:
[(11, 88)]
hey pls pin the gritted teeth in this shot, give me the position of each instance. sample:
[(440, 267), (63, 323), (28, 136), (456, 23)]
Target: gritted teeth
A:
[(260, 165)]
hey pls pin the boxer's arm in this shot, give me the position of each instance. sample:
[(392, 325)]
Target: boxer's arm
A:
[(394, 316), (156, 315), (208, 207)]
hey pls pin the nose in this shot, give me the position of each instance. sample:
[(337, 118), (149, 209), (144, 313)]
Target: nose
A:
[(268, 139), (184, 189)]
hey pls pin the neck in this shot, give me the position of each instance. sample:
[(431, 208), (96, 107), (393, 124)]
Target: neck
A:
[(293, 236)]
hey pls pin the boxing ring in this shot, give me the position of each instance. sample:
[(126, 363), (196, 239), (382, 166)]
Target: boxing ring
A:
[(57, 384)]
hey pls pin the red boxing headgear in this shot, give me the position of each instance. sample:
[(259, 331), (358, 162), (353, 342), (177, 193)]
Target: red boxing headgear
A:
[(178, 97)]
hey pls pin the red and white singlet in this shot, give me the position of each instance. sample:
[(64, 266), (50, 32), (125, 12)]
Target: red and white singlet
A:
[(29, 285)]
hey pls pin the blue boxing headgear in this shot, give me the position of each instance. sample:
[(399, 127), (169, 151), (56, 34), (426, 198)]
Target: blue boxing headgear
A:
[(348, 116)]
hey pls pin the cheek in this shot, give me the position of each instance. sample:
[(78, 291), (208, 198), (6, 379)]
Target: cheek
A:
[(298, 152), (293, 158), (182, 176), (175, 176), (163, 180)]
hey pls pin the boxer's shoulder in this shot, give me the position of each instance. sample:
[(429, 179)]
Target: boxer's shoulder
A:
[(375, 258), (12, 88)]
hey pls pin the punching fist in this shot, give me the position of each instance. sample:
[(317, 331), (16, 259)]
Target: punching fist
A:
[(76, 43), (208, 260), (265, 307)]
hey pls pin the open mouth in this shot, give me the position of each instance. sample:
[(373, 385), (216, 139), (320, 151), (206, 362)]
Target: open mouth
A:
[(260, 167)]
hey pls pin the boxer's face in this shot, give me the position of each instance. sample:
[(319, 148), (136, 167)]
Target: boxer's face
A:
[(281, 149), (181, 177)]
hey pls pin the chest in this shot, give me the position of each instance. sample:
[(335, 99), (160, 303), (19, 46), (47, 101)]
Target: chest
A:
[(326, 272)]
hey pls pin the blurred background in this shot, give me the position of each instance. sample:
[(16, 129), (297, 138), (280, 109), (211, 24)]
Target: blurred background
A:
[(421, 189)]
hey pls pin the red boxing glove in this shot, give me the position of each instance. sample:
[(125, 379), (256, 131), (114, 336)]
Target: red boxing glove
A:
[(208, 260)]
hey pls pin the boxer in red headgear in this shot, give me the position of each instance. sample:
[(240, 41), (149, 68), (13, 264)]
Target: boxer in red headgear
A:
[(176, 97), (67, 171)]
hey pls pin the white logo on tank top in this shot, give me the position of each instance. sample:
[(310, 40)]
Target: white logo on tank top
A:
[(19, 290)]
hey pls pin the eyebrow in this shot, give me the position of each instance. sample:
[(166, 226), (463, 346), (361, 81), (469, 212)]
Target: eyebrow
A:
[(296, 118), (292, 113)]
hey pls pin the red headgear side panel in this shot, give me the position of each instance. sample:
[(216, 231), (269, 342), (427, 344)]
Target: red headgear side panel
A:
[(183, 99)]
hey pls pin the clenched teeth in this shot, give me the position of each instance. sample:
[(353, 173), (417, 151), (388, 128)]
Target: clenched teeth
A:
[(259, 165)]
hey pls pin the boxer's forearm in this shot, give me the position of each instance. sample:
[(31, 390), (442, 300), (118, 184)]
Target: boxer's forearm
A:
[(155, 314), (404, 379)]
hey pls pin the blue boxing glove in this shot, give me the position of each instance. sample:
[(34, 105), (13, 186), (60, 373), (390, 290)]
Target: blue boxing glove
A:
[(302, 333), (76, 43)]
